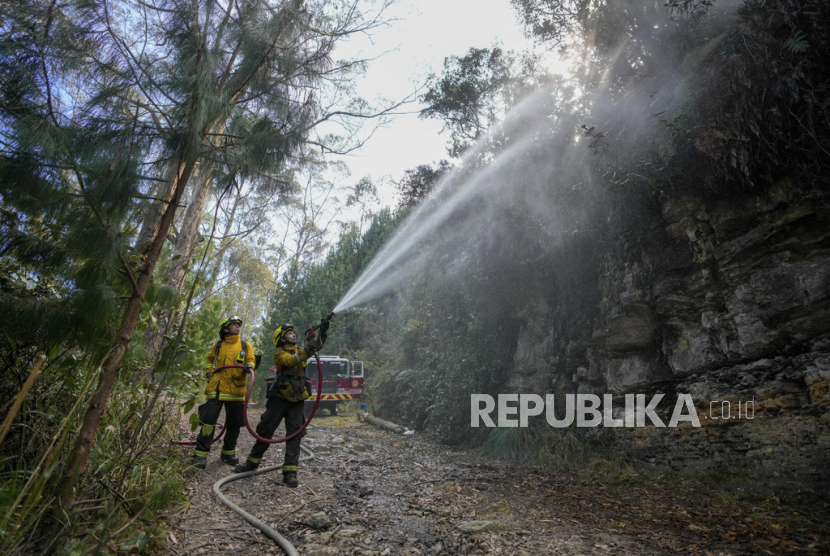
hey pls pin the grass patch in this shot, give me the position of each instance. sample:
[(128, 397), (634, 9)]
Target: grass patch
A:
[(558, 451), (170, 494), (128, 488)]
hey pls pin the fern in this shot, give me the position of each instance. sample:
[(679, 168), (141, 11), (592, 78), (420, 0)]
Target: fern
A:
[(797, 43)]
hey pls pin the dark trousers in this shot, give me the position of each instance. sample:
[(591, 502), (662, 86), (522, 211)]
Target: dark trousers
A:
[(275, 410), (208, 416)]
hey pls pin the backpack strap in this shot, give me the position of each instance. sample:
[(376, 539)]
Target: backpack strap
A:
[(242, 354), (244, 351), (257, 358), (216, 349)]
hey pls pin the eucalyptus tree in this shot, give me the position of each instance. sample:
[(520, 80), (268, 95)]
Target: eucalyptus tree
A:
[(247, 213), (306, 292), (242, 208), (363, 196), (476, 90), (112, 104), (417, 182), (738, 89)]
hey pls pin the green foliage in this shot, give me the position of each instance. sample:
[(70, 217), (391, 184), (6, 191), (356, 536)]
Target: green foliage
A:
[(304, 296), (516, 444), (416, 184), (101, 107), (797, 43), (540, 445), (187, 380), (477, 89), (776, 119), (675, 97), (126, 479), (739, 97)]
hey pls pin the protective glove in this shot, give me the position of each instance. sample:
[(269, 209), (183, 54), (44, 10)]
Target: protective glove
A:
[(324, 326), (209, 375), (247, 367), (313, 346)]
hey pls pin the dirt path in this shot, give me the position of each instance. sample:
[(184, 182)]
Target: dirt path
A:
[(387, 494)]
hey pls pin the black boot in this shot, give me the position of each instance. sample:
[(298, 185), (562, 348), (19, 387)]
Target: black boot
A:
[(245, 467), (230, 460), (290, 479), (198, 463)]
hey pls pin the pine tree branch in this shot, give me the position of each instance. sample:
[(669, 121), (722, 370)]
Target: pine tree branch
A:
[(221, 30), (149, 198), (155, 8), (130, 57), (238, 89), (43, 62), (74, 165), (126, 272)]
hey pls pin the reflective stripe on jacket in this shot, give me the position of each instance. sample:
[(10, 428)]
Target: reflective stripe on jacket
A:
[(228, 384)]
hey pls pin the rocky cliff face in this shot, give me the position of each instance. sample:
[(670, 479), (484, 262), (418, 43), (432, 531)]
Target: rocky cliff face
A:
[(730, 304)]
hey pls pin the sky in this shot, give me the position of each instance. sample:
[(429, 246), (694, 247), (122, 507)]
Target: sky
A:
[(415, 45)]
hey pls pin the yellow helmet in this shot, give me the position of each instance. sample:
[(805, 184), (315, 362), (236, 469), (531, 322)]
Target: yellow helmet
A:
[(227, 322), (280, 332)]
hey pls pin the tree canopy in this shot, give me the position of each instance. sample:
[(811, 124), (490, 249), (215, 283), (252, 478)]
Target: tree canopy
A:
[(164, 164)]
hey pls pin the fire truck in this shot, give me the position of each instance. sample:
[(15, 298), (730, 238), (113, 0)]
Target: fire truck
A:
[(342, 381)]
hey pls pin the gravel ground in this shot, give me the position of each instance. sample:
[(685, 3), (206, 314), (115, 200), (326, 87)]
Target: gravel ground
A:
[(370, 491)]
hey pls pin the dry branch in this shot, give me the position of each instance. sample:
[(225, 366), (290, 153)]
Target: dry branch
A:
[(371, 419)]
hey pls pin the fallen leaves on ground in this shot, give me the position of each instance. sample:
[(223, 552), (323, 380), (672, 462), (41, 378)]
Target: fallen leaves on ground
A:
[(383, 494)]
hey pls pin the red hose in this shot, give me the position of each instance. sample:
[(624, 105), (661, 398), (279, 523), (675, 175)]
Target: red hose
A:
[(248, 397), (245, 409), (193, 442)]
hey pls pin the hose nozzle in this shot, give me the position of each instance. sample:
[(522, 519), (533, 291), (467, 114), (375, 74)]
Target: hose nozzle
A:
[(311, 333)]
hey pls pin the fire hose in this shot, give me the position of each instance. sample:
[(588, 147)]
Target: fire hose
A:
[(221, 427), (245, 410), (269, 532)]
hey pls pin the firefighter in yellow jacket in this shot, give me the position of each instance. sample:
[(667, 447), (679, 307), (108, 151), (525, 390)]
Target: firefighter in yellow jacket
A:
[(225, 387), (286, 397)]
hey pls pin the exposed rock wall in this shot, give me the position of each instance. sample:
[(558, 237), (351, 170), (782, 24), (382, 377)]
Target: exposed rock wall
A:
[(728, 304)]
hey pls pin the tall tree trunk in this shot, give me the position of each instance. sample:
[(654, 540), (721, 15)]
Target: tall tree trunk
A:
[(235, 87), (210, 282), (153, 214), (176, 270), (109, 370)]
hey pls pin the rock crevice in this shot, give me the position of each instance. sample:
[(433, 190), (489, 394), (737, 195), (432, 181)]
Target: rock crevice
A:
[(730, 304)]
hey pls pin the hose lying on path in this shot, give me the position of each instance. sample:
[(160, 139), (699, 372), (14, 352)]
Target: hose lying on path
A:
[(267, 531)]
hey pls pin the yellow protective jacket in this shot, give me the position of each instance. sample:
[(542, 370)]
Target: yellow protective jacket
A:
[(228, 385), (290, 363)]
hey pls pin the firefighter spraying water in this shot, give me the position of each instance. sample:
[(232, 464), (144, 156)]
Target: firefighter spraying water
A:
[(342, 379), (287, 392)]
